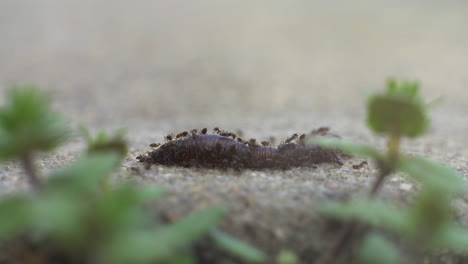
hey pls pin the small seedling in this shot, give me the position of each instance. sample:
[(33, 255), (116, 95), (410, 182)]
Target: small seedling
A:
[(103, 142), (400, 111), (426, 224), (27, 126)]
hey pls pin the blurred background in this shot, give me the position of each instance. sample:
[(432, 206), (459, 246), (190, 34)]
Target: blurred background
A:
[(111, 61)]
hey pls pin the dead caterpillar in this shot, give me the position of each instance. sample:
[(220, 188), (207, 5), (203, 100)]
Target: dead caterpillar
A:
[(223, 149)]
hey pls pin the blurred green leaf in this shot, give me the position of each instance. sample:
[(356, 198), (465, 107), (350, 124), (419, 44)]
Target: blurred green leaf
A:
[(121, 209), (433, 174), (376, 249), (27, 124), (287, 257), (453, 237), (57, 216), (373, 212), (407, 89), (149, 193), (181, 259), (429, 214), (161, 244), (104, 142), (432, 209), (347, 147), (236, 247), (84, 174), (387, 114), (15, 216), (137, 246), (399, 111)]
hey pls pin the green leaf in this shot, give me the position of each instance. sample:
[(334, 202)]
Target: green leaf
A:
[(392, 86), (236, 247), (84, 174), (430, 213), (137, 246), (58, 216), (164, 243), (149, 193), (400, 111), (372, 212), (120, 210), (347, 147), (27, 124), (104, 142), (390, 114), (453, 237), (408, 89), (182, 259), (287, 257), (376, 249), (433, 174), (15, 216)]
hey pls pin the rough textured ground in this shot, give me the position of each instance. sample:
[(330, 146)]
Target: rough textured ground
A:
[(269, 68)]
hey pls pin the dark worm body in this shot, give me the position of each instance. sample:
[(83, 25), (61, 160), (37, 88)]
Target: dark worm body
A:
[(224, 150)]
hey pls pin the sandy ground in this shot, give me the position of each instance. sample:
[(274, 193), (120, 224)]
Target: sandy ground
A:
[(269, 68)]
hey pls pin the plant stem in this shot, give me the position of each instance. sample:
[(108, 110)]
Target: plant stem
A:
[(341, 244), (383, 173), (28, 165), (393, 149), (386, 168), (351, 228)]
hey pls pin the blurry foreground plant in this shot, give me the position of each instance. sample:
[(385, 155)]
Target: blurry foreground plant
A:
[(27, 125), (73, 219), (426, 224)]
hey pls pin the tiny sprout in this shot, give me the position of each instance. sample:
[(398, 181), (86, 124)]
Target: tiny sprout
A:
[(400, 111), (28, 125), (104, 142)]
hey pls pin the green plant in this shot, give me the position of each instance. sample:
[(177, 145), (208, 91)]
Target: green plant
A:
[(103, 142), (72, 218), (426, 223), (27, 125), (287, 257)]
